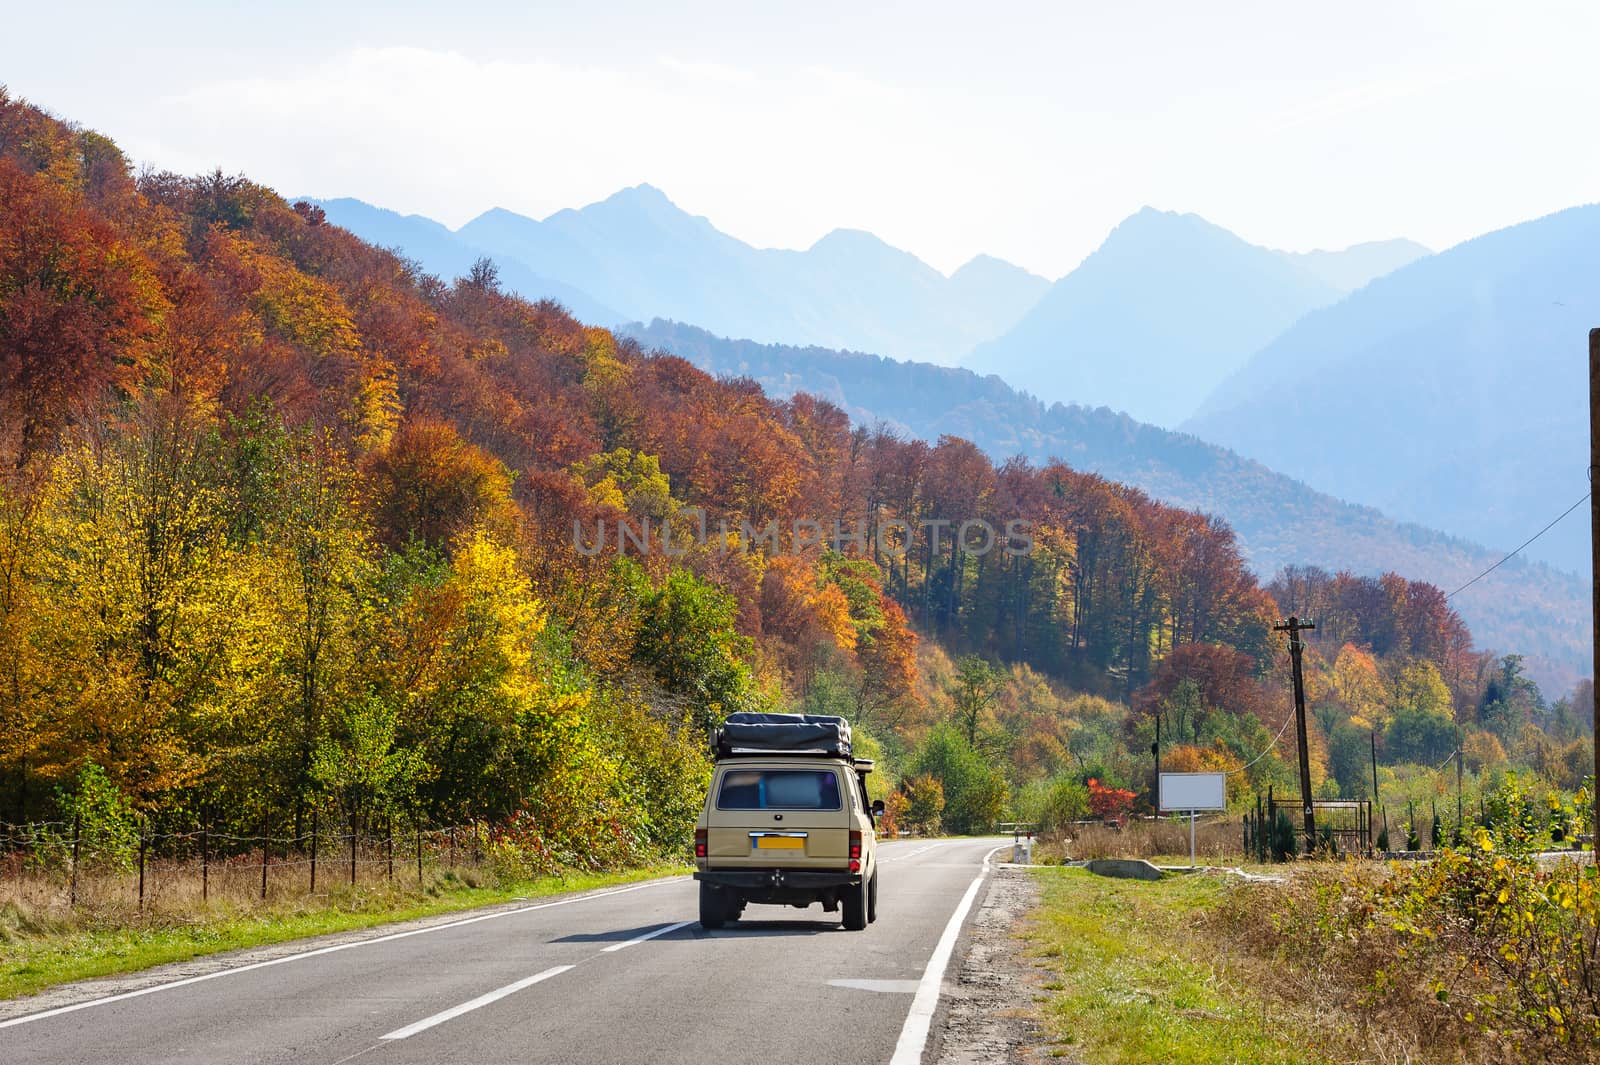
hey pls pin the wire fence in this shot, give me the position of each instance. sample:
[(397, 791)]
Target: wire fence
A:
[(78, 862)]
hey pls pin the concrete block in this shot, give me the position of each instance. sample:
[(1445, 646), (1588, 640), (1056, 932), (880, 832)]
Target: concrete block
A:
[(1125, 868)]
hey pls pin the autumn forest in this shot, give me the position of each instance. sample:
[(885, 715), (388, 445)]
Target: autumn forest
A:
[(288, 526)]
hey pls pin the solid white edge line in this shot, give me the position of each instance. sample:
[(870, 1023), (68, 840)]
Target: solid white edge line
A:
[(59, 1010), (467, 1007), (648, 935), (914, 1034)]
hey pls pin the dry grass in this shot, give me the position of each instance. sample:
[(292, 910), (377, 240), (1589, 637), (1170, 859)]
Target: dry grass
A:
[(45, 939), (1201, 969), (1218, 842), (1133, 976), (1325, 936), (178, 887)]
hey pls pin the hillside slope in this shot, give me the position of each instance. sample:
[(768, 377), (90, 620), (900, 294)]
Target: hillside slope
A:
[(1451, 392), (1528, 607)]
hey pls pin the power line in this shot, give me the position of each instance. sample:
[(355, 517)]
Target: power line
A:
[(1525, 543), (1271, 747)]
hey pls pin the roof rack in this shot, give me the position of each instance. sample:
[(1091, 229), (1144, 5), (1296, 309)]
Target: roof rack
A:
[(814, 735)]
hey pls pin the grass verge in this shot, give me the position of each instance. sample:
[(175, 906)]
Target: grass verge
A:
[(1132, 977), (37, 952)]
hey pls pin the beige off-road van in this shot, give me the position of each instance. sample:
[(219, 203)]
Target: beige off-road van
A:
[(787, 821)]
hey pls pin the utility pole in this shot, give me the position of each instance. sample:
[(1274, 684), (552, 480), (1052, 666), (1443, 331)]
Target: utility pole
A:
[(1375, 767), (1461, 829), (1294, 627), (1594, 540), (1155, 749)]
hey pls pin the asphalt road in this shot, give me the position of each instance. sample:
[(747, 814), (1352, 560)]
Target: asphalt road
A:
[(618, 976)]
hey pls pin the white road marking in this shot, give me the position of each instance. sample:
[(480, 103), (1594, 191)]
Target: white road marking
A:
[(58, 1011), (648, 935), (914, 1034), (920, 850), (902, 987), (482, 1000)]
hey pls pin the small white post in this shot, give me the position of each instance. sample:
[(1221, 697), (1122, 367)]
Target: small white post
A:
[(1191, 839)]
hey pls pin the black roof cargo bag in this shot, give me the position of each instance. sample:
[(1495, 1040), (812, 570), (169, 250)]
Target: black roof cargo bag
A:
[(813, 734)]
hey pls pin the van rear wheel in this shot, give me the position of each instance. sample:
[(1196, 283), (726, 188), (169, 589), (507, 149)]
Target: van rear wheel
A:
[(714, 907), (872, 898), (855, 906)]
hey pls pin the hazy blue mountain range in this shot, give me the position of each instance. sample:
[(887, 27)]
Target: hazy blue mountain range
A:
[(1523, 606), (1452, 392), (1164, 310), (449, 256), (636, 255), (1358, 264)]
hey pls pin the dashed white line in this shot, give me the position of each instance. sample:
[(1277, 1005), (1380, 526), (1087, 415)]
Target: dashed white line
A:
[(920, 850), (59, 1010), (648, 935), (482, 1000)]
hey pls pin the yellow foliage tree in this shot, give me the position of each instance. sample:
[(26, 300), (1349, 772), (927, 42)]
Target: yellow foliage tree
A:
[(1357, 685)]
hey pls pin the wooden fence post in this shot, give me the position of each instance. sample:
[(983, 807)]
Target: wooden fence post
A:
[(144, 842), (264, 824), (205, 856), (77, 843)]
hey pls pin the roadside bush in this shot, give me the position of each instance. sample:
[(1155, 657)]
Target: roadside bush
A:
[(924, 803), (107, 821), (1481, 949)]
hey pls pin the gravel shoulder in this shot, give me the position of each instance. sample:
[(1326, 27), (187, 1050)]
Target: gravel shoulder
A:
[(989, 1015)]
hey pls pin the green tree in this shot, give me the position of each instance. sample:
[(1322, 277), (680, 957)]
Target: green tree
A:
[(361, 762), (1418, 736), (974, 791), (688, 638), (977, 685), (1349, 759)]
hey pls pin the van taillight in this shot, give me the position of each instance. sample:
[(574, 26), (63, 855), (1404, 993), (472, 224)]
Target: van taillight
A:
[(699, 843), (855, 851)]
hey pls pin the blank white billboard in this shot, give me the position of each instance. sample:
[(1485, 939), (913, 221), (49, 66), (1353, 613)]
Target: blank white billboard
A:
[(1194, 791)]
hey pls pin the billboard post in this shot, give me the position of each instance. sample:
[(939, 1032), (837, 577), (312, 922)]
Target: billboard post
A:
[(1192, 792)]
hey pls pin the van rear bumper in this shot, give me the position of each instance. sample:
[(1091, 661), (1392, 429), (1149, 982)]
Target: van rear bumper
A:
[(779, 879)]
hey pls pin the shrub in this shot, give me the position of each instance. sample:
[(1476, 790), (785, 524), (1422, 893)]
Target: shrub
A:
[(1283, 839), (924, 802), (1479, 950), (108, 825)]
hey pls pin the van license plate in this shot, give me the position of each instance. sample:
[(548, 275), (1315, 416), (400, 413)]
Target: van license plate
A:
[(780, 843)]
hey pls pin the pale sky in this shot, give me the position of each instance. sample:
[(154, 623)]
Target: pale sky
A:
[(1025, 130)]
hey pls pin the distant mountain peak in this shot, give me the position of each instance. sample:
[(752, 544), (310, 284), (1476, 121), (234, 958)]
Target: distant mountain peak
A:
[(1152, 221), (1154, 318), (496, 214), (846, 239), (982, 265), (642, 193)]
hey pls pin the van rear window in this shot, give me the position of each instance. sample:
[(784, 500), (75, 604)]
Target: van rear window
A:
[(779, 789)]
